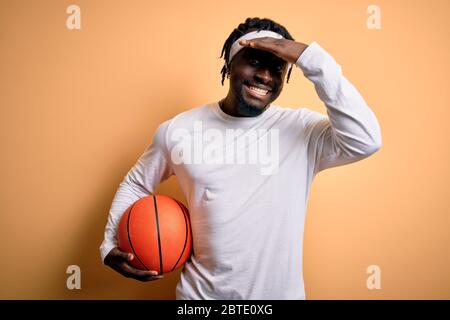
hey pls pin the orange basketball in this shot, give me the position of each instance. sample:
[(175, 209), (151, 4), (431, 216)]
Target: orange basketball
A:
[(157, 231)]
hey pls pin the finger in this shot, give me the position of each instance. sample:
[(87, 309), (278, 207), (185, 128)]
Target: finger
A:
[(244, 42), (130, 270), (151, 278), (124, 255), (127, 256), (267, 44), (249, 43)]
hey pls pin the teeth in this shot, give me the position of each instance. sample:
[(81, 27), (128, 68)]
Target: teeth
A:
[(258, 90)]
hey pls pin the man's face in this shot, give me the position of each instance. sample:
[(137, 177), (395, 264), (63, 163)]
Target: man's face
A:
[(256, 79)]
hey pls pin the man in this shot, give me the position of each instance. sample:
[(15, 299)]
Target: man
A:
[(247, 213)]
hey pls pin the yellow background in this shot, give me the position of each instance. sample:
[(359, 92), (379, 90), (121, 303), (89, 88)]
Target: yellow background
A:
[(78, 107)]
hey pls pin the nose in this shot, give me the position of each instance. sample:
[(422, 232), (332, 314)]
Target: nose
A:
[(263, 75)]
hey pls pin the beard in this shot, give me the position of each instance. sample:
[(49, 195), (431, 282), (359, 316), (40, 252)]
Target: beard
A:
[(248, 109)]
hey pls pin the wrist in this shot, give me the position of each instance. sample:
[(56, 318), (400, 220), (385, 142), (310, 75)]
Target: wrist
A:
[(294, 50), (301, 47)]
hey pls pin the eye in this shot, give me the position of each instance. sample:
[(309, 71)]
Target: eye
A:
[(254, 62), (280, 68)]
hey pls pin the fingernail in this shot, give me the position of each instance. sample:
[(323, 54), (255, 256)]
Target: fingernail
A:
[(154, 273), (130, 257)]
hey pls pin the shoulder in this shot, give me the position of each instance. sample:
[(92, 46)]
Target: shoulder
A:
[(190, 115), (298, 114), (301, 118), (167, 126), (310, 117)]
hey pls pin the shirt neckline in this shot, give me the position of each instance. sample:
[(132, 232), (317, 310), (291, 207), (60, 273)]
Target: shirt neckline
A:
[(225, 116)]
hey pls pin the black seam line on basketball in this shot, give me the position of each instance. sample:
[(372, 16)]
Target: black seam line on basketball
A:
[(186, 211), (159, 239), (129, 238), (186, 217), (187, 234), (185, 240)]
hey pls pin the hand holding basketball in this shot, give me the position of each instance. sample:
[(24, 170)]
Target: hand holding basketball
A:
[(119, 261)]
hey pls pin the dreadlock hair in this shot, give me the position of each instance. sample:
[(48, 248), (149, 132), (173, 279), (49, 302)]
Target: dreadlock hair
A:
[(243, 28)]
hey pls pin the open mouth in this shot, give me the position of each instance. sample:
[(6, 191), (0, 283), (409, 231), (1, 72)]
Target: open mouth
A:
[(257, 91)]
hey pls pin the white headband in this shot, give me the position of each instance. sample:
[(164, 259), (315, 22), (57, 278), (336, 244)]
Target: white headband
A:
[(236, 47)]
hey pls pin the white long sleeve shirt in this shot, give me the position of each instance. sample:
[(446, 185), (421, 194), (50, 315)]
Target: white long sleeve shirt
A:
[(247, 206)]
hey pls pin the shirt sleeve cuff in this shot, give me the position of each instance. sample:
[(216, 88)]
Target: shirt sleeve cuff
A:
[(105, 248), (308, 54)]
